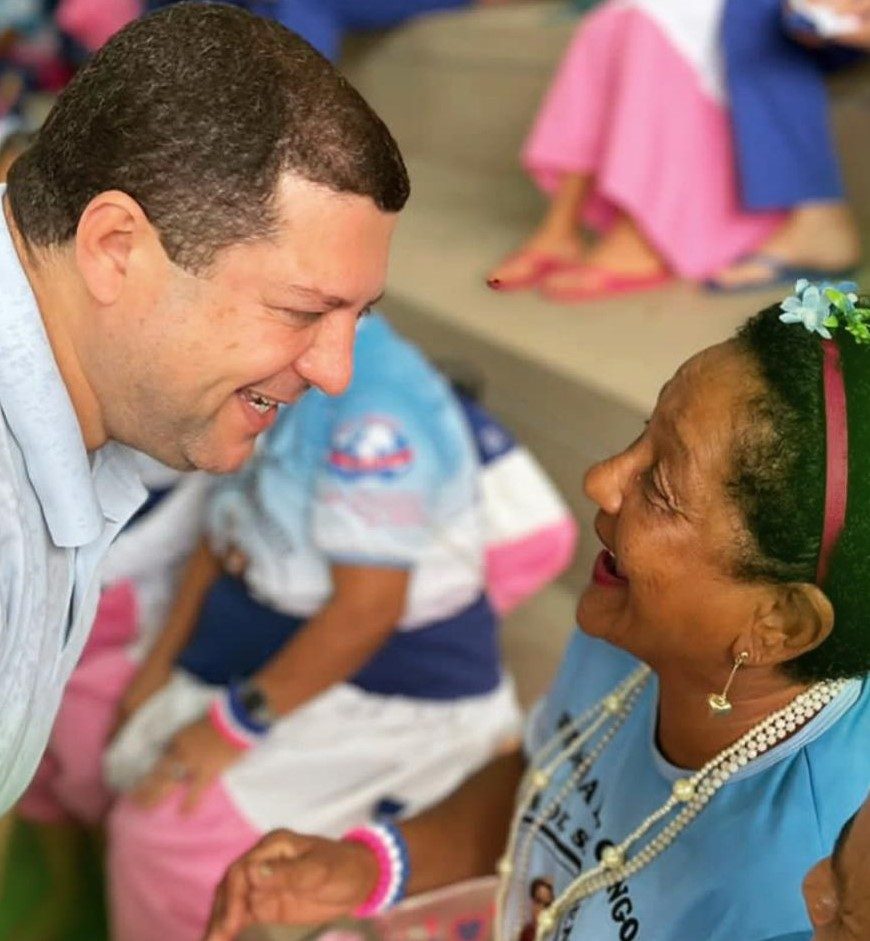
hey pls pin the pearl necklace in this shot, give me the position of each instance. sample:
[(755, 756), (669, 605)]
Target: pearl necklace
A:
[(596, 727)]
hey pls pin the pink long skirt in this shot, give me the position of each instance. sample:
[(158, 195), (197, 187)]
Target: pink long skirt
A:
[(627, 108)]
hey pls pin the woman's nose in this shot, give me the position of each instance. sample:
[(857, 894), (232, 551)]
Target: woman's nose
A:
[(604, 485)]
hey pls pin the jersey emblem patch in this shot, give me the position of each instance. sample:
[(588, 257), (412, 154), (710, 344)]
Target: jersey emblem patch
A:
[(371, 446)]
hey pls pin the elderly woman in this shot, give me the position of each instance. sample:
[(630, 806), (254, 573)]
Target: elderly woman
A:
[(707, 734)]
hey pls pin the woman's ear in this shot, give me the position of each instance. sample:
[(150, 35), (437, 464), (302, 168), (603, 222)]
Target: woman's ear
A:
[(793, 619)]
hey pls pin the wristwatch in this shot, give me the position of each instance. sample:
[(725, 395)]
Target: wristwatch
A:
[(255, 703)]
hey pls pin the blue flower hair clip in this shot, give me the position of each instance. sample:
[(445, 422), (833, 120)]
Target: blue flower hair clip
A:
[(824, 307)]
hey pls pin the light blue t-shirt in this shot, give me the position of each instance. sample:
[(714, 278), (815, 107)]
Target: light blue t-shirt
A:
[(735, 872)]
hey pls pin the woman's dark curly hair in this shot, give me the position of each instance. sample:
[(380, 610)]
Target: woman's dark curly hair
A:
[(778, 482)]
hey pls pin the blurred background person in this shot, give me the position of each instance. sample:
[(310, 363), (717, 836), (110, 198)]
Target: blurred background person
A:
[(653, 173), (776, 66)]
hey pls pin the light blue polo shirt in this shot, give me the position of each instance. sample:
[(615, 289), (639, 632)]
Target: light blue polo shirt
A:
[(60, 509)]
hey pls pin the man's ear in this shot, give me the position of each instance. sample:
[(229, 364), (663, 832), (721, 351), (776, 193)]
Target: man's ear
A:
[(790, 620), (108, 231)]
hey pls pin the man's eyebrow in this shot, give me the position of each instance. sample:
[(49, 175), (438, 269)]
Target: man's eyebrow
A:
[(329, 301)]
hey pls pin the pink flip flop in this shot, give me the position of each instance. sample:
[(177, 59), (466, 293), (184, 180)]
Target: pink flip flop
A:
[(542, 264), (611, 284)]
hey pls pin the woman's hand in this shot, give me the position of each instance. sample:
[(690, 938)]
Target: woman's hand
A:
[(194, 758), (291, 878), (151, 677)]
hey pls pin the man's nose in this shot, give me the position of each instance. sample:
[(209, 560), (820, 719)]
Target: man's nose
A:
[(327, 363)]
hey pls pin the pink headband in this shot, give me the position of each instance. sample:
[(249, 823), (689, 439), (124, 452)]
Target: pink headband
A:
[(837, 455)]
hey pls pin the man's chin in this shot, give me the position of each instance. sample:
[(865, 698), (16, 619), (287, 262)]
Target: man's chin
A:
[(222, 460)]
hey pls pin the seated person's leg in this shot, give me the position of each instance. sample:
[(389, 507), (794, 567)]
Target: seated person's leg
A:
[(785, 150)]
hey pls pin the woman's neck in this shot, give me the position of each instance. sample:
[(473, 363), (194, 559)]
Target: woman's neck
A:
[(689, 734)]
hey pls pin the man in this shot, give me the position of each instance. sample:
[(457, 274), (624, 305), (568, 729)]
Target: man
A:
[(188, 244)]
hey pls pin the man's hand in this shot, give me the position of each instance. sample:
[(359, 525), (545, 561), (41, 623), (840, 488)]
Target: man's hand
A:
[(290, 878), (193, 759)]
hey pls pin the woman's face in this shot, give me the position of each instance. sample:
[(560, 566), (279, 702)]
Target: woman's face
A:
[(662, 588)]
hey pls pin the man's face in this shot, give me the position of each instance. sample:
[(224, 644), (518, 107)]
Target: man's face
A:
[(194, 369), (837, 890)]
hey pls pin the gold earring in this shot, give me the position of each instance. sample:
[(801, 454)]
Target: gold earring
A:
[(718, 702)]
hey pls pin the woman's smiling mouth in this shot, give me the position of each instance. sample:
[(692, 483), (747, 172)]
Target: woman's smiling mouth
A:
[(606, 573)]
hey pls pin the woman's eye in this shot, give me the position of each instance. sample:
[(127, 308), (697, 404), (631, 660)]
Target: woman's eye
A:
[(651, 492)]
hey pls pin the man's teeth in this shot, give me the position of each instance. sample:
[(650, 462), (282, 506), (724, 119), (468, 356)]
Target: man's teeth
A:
[(260, 402)]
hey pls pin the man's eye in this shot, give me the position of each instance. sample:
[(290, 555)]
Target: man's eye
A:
[(302, 317)]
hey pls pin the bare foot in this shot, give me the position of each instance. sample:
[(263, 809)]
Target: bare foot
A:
[(521, 267), (623, 252), (817, 235)]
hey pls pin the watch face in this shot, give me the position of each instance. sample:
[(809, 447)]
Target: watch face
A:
[(255, 704)]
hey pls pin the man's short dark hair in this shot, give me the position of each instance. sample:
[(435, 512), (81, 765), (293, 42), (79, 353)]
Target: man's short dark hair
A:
[(195, 111)]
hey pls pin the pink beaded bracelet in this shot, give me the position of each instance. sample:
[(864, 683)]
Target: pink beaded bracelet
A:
[(388, 846)]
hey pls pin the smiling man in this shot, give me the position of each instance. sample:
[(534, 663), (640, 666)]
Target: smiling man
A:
[(188, 244)]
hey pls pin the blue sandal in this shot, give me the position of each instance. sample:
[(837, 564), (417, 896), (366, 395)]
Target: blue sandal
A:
[(782, 274)]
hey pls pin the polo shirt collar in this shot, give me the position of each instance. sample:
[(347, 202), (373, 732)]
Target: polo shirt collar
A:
[(40, 415)]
